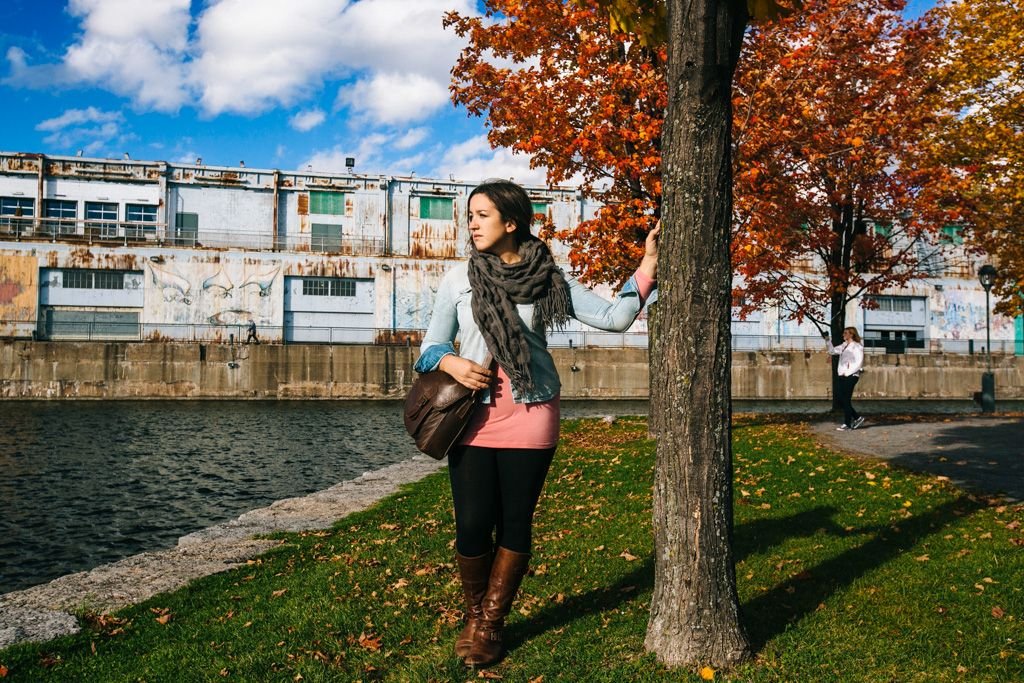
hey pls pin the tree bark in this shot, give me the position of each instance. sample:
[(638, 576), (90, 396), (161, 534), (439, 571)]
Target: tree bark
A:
[(695, 616)]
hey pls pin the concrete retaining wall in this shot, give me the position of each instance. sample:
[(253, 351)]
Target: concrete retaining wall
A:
[(52, 370)]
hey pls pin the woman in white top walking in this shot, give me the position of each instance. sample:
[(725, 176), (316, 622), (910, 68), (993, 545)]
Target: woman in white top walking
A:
[(851, 363)]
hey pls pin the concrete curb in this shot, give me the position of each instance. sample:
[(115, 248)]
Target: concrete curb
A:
[(45, 612)]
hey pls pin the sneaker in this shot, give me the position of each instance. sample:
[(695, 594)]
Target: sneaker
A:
[(857, 423), (841, 428)]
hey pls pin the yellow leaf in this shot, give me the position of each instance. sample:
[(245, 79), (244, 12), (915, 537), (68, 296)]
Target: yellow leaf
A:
[(707, 673), (164, 618)]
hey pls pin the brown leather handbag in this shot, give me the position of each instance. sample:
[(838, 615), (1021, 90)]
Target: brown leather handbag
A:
[(437, 411)]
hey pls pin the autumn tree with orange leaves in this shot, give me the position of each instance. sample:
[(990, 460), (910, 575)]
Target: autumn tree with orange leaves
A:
[(837, 197), (584, 101), (982, 80)]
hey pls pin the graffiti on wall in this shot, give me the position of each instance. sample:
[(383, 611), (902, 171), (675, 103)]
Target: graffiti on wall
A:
[(960, 314), (223, 293), (19, 294)]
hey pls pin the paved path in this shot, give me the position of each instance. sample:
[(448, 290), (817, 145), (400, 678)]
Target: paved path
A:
[(979, 454)]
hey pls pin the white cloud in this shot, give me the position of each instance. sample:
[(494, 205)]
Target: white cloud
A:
[(92, 127), (132, 48), (307, 120), (412, 138), (76, 116), (475, 160), (253, 54), (390, 98), (369, 154), (247, 56)]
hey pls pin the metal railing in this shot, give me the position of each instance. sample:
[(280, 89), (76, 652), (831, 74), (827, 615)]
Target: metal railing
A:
[(146, 233), (100, 330)]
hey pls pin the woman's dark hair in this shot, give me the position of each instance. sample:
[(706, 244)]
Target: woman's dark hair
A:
[(512, 203)]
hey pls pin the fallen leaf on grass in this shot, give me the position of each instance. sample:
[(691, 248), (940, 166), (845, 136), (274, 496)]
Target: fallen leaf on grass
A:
[(707, 673), (277, 594), (370, 642), (627, 556), (490, 675), (3, 671), (922, 558), (163, 614), (538, 679), (997, 612)]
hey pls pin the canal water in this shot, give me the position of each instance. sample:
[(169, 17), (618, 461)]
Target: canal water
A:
[(84, 483)]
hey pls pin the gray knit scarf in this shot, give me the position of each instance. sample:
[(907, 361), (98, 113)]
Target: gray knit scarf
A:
[(497, 289)]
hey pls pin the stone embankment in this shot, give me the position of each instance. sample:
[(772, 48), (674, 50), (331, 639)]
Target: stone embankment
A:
[(180, 370), (47, 611)]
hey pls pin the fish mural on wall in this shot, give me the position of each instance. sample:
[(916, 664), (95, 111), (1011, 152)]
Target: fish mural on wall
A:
[(172, 286), (207, 293), (219, 285), (262, 280)]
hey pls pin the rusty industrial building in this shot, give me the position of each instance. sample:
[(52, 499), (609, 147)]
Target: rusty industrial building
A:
[(151, 250)]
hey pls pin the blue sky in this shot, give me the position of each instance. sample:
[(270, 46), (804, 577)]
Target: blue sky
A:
[(274, 83)]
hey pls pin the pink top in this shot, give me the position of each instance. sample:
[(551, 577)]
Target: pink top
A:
[(503, 423)]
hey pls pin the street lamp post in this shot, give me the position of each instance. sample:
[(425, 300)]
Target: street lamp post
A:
[(987, 276)]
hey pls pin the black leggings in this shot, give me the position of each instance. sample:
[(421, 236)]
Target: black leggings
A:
[(844, 392), (495, 492)]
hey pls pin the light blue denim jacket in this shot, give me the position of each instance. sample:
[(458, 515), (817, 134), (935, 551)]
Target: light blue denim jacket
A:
[(453, 315)]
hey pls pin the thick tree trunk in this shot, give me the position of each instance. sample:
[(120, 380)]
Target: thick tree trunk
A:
[(695, 616)]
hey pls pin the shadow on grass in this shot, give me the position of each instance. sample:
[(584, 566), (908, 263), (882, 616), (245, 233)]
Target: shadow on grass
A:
[(769, 614), (760, 535), (640, 580), (751, 537)]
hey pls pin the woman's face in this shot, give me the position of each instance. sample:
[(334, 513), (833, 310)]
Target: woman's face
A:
[(847, 335), (488, 230)]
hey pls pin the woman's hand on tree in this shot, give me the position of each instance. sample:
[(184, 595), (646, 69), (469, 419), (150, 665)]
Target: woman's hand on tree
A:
[(466, 372), (649, 264)]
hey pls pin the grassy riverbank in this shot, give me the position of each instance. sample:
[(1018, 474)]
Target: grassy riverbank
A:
[(847, 571)]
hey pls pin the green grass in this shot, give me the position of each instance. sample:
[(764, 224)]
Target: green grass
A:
[(847, 570)]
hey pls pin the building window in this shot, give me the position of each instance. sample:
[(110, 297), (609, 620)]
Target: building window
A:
[(186, 229), (13, 211), (327, 203), (883, 230), (540, 208), (325, 237), (101, 218), (328, 287), (952, 234), (140, 221), (93, 279), (62, 214), (437, 208), (894, 304)]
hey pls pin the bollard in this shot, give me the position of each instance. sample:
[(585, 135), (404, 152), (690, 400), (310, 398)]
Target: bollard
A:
[(988, 392)]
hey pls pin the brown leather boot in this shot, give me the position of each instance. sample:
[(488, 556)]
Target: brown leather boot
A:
[(475, 573), (506, 575)]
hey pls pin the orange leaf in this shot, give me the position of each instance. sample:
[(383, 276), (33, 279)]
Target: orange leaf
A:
[(707, 673), (370, 642)]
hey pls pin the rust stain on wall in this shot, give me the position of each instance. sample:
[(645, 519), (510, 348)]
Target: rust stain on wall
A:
[(303, 204), (19, 291)]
